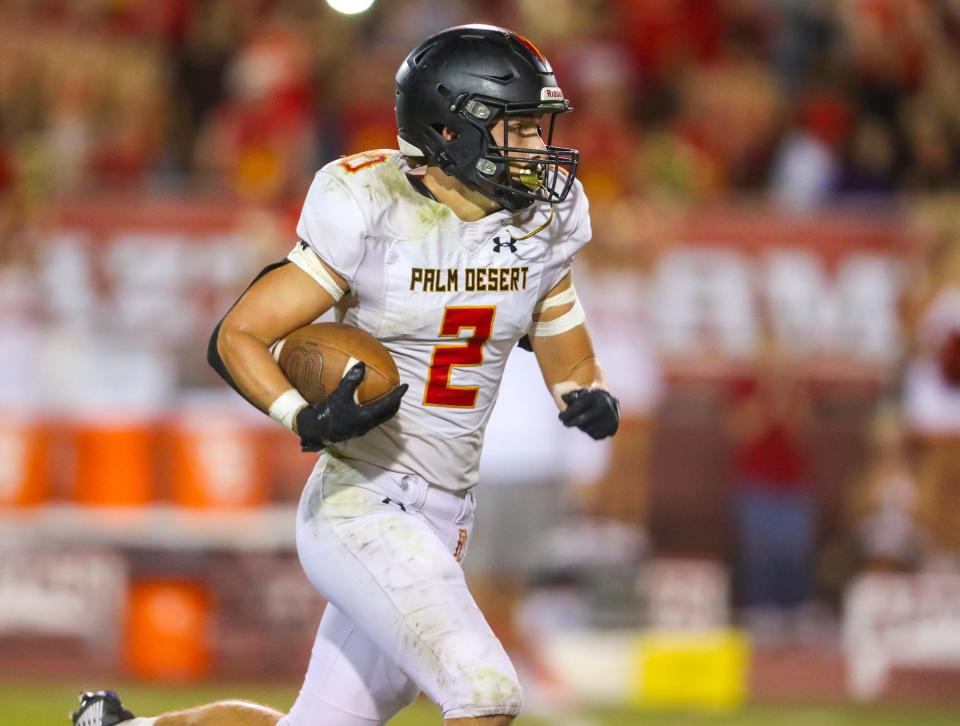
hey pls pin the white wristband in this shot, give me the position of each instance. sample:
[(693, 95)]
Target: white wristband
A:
[(286, 406)]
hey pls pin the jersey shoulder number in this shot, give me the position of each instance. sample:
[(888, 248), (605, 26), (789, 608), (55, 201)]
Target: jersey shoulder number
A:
[(363, 160)]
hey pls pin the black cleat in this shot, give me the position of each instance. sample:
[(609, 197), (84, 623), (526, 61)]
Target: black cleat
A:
[(100, 708)]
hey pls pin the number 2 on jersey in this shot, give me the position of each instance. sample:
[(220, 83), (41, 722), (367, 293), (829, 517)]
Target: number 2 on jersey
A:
[(439, 392)]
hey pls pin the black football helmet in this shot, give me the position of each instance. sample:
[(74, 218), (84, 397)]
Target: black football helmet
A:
[(465, 79)]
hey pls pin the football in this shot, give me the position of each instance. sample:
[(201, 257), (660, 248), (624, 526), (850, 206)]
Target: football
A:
[(315, 358)]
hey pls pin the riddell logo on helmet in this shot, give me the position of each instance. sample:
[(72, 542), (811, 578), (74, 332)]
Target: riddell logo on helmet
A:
[(551, 93)]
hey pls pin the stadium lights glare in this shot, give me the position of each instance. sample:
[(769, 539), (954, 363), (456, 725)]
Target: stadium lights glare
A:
[(350, 7)]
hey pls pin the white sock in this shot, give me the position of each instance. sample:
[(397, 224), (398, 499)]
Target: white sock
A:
[(140, 722)]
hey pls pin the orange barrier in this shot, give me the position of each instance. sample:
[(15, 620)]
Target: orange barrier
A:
[(168, 631), (24, 451), (218, 458), (114, 462)]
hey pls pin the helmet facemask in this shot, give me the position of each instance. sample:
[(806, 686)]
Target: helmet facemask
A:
[(547, 174)]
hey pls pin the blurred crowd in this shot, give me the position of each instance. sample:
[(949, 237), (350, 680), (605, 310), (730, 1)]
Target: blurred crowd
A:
[(813, 100)]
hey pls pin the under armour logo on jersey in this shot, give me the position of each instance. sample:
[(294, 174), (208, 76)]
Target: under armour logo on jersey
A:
[(498, 245)]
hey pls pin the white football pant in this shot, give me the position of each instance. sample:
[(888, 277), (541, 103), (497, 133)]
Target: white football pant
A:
[(383, 548)]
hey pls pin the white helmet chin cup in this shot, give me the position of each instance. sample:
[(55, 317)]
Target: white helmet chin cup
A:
[(408, 149)]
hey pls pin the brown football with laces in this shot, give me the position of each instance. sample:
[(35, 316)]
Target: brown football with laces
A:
[(315, 358)]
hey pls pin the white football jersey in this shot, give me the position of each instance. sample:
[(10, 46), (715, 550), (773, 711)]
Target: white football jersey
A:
[(449, 299)]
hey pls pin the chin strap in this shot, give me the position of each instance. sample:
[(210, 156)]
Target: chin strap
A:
[(539, 228), (417, 183)]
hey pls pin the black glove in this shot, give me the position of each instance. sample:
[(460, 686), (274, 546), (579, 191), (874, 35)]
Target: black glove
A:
[(593, 410), (340, 417)]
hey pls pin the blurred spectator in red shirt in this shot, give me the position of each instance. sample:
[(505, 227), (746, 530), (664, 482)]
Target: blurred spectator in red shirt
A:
[(603, 124), (769, 422), (807, 163), (6, 169), (365, 114), (261, 140), (203, 50), (666, 35), (731, 110)]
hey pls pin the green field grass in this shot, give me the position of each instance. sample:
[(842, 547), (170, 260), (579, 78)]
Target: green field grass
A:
[(47, 705)]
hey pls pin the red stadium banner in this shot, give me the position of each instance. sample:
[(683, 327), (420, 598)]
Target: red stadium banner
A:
[(828, 288), (725, 280)]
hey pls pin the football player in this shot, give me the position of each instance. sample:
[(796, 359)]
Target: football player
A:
[(450, 251)]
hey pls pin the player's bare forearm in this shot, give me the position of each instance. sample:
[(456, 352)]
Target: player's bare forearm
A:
[(567, 362), (275, 305), (570, 369), (252, 367), (566, 359)]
